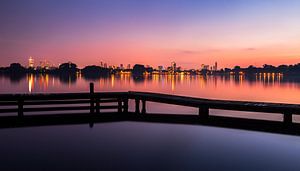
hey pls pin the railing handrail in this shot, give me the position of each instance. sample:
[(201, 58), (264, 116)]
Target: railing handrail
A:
[(164, 98), (218, 104), (85, 95)]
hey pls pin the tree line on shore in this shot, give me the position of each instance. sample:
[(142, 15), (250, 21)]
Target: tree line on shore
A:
[(96, 71)]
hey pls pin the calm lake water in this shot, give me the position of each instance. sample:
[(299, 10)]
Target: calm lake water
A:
[(263, 87), (152, 146)]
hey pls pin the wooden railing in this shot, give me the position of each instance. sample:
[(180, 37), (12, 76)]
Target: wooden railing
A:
[(20, 103), (94, 102), (205, 104)]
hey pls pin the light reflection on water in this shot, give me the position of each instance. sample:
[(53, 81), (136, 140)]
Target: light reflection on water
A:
[(262, 87), (265, 87)]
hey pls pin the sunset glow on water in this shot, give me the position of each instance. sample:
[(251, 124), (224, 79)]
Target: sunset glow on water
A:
[(264, 87)]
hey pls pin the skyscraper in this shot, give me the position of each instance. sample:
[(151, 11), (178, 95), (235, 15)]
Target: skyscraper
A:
[(216, 66), (173, 67)]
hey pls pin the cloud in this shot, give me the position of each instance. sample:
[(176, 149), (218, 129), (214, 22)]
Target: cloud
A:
[(193, 52), (188, 52), (250, 49)]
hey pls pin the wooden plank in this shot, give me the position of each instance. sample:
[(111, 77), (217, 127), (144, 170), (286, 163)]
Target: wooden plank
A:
[(8, 103), (110, 107), (56, 108), (52, 102), (60, 96), (10, 110), (108, 100)]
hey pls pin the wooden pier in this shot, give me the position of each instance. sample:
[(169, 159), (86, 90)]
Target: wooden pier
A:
[(19, 110)]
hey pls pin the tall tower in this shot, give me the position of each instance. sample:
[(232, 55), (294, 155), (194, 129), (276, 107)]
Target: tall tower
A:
[(173, 66), (30, 62), (216, 66)]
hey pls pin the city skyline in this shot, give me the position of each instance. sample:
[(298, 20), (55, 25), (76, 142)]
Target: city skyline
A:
[(155, 33), (46, 64)]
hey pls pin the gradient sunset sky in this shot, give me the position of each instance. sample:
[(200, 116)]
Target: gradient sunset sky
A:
[(155, 32)]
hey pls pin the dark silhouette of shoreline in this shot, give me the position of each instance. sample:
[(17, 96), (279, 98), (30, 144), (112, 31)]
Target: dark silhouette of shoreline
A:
[(67, 72)]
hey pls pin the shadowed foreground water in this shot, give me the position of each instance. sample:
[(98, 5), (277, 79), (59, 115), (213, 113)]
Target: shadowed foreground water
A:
[(146, 146)]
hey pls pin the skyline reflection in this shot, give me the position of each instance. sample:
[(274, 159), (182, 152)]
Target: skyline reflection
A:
[(261, 87)]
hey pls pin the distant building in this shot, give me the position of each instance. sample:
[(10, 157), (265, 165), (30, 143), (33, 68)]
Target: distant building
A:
[(172, 68), (204, 67), (47, 64), (128, 66), (215, 68), (160, 68), (122, 66), (31, 62), (173, 65)]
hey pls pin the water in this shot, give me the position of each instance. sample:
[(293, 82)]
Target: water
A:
[(146, 146), (263, 88), (149, 146)]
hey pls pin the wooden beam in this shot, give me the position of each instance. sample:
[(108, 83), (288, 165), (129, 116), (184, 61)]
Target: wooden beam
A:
[(120, 106), (20, 107), (287, 118), (97, 105), (143, 106), (92, 107), (203, 112), (125, 101), (137, 106)]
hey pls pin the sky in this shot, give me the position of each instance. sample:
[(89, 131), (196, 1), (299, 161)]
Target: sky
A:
[(151, 32)]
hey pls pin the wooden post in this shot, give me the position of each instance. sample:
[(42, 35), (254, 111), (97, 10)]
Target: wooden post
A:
[(287, 118), (143, 106), (137, 106), (98, 105), (92, 105), (125, 101), (204, 112), (20, 107), (119, 105)]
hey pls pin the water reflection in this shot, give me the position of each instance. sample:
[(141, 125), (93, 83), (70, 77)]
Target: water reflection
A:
[(30, 82), (260, 87)]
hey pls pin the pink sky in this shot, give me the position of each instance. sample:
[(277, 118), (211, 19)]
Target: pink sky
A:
[(190, 32)]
